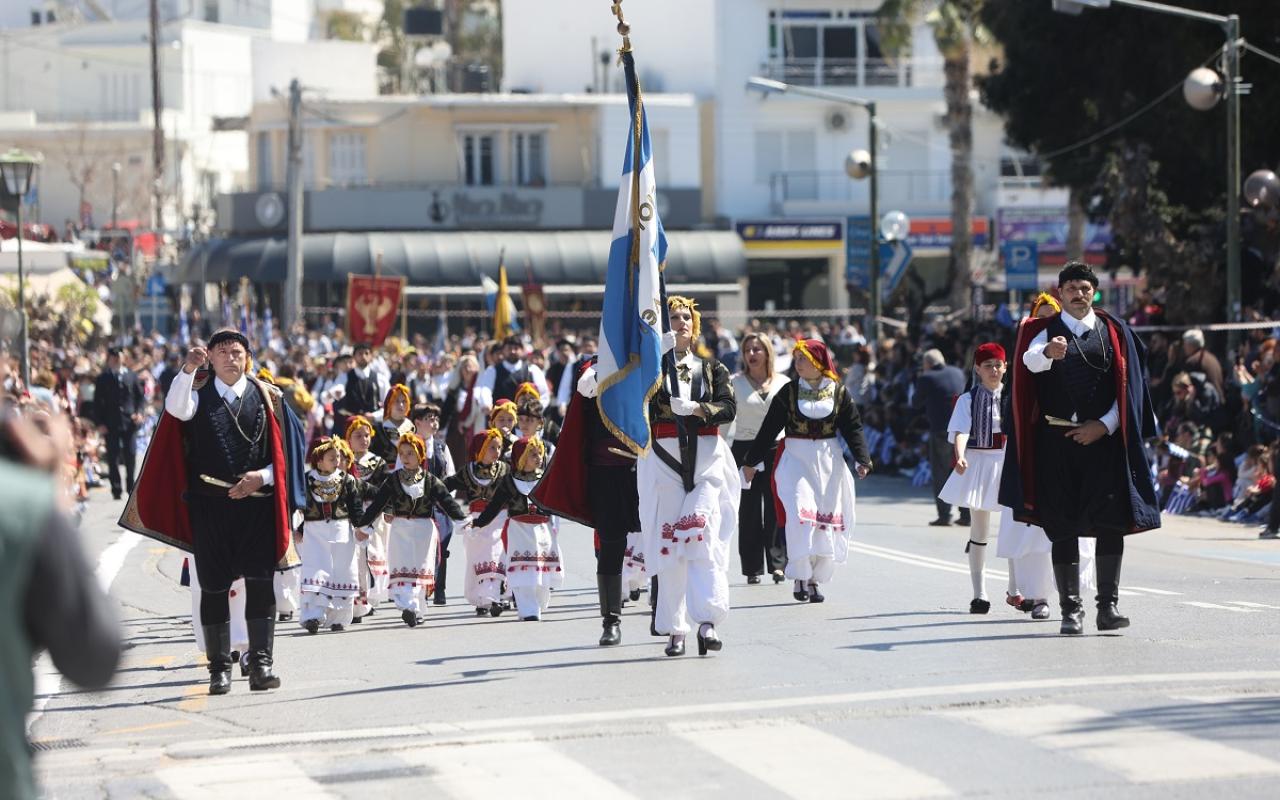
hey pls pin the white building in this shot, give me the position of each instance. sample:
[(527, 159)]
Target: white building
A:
[(80, 92), (780, 160)]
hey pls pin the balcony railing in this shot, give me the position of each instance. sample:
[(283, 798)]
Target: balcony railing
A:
[(912, 188), (900, 73)]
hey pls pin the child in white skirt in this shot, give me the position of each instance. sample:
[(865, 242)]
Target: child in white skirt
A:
[(328, 545), (974, 431)]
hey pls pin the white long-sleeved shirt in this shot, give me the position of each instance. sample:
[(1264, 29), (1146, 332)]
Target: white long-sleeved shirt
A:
[(1036, 361), (751, 406), (182, 402), (484, 385), (962, 416), (379, 379)]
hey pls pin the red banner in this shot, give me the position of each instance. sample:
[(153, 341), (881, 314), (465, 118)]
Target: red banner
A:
[(372, 305)]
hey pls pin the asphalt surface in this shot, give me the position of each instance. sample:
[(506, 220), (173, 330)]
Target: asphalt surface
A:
[(888, 689)]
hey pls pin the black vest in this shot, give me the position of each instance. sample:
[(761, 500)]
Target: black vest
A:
[(1083, 383), (361, 395), (215, 447), (435, 463), (505, 381)]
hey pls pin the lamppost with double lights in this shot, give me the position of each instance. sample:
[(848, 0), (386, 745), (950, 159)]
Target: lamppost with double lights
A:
[(18, 168), (768, 86)]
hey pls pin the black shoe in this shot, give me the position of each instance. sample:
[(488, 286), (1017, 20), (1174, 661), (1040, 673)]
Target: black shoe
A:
[(284, 617), (337, 626), (612, 633), (1267, 533), (778, 577), (815, 596), (496, 609), (979, 606), (634, 594), (217, 648), (753, 579), (410, 618), (1109, 617), (482, 612), (529, 619), (262, 635), (1067, 577), (439, 600), (115, 495), (244, 665), (609, 592), (312, 625), (710, 641), (800, 593), (675, 646), (964, 517), (370, 614), (940, 523), (653, 606)]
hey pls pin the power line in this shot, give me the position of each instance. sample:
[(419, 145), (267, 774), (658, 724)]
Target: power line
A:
[(1258, 51)]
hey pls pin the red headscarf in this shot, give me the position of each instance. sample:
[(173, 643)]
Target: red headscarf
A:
[(817, 354), (518, 449), (478, 442)]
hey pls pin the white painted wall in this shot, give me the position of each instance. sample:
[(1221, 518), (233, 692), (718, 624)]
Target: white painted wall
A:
[(674, 129), (332, 69), (673, 41)]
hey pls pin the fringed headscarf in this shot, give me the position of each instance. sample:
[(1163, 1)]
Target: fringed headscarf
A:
[(356, 424), (324, 445), (521, 447), (817, 354), (527, 390), (679, 301), (480, 441), (398, 389)]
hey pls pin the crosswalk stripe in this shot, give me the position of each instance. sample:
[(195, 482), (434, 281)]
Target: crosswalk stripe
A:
[(1142, 753), (531, 769), (803, 762), (264, 776), (1218, 607)]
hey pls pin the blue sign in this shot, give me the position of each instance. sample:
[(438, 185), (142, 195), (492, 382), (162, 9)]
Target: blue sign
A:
[(155, 285), (894, 258), (1021, 265), (858, 237)]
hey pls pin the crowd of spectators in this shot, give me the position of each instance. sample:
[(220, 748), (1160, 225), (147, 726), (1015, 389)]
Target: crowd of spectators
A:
[(1216, 455)]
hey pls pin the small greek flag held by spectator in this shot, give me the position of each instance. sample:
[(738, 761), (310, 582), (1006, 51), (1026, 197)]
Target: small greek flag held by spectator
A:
[(923, 476), (1181, 499)]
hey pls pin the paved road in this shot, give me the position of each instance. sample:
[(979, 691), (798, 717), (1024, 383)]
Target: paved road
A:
[(889, 689)]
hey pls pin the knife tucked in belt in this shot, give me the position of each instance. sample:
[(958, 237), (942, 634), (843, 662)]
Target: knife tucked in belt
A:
[(1059, 422), (212, 481)]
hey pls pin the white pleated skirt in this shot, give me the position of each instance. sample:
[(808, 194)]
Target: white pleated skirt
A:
[(978, 488)]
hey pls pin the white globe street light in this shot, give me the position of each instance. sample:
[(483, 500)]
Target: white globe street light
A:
[(858, 164), (894, 226), (1203, 88)]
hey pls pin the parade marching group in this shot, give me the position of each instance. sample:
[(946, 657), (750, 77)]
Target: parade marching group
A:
[(329, 532)]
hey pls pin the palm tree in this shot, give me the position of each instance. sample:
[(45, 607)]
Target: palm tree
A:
[(956, 29)]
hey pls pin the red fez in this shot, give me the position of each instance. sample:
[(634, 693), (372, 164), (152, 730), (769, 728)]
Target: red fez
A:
[(988, 351)]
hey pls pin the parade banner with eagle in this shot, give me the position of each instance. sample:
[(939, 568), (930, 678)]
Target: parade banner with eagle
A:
[(372, 303)]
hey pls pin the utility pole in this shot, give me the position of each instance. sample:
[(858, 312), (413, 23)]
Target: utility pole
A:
[(157, 122), (1231, 58), (292, 299)]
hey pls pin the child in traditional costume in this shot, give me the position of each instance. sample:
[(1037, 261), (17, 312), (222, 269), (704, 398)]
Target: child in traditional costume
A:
[(503, 419), (395, 423), (370, 468), (426, 423), (533, 552), (978, 443), (811, 481), (486, 556), (410, 497), (328, 545), (688, 533)]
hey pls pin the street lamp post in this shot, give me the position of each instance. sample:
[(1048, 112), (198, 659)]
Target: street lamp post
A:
[(115, 192), (767, 86), (18, 167), (1230, 26)]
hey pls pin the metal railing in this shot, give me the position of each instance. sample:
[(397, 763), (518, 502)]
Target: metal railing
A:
[(896, 186), (888, 72)]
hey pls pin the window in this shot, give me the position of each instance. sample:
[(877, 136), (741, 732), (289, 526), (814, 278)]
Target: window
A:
[(266, 177), (529, 153), (346, 158), (787, 158), (478, 159), (819, 49)]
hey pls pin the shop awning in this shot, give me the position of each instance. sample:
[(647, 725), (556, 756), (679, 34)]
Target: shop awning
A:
[(458, 258)]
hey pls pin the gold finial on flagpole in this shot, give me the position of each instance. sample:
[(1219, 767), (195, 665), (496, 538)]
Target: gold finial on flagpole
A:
[(624, 30)]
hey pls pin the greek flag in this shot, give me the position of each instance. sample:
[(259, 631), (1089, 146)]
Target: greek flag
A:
[(629, 367)]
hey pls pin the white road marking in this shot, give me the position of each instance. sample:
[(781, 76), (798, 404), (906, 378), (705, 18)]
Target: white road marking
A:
[(48, 679), (760, 705), (1162, 592), (1217, 607), (1142, 753), (243, 776), (531, 770), (1247, 604), (803, 762)]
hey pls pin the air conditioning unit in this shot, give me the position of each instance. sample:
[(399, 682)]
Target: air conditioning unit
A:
[(837, 119)]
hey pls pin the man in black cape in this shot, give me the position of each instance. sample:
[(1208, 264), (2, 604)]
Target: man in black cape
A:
[(1075, 463)]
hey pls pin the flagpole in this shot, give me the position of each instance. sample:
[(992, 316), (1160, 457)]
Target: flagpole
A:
[(668, 358)]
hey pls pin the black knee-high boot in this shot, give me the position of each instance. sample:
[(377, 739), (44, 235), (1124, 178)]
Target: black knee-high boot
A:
[(217, 648), (610, 590), (262, 636), (1109, 617), (653, 606), (1068, 579), (442, 572)]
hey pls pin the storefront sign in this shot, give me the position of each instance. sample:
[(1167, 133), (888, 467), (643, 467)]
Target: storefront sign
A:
[(1047, 227), (791, 234)]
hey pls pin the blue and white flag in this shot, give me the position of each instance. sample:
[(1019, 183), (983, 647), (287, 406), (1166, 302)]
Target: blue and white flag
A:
[(266, 328), (629, 368)]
